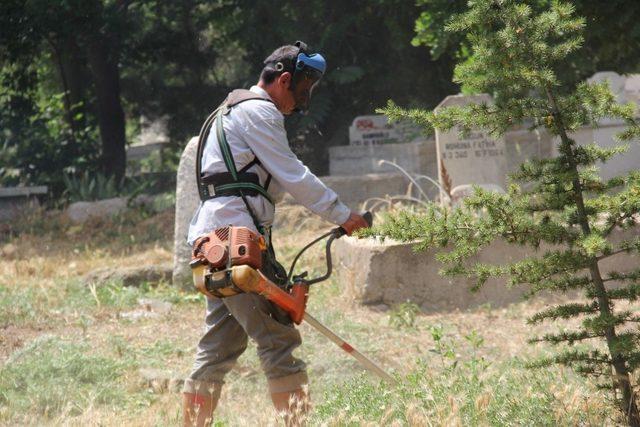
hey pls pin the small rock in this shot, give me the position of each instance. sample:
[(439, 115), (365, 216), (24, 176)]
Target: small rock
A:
[(80, 212), (380, 307), (155, 305), (139, 314), (9, 250)]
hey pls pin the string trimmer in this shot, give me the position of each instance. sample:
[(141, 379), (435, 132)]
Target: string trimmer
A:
[(227, 262)]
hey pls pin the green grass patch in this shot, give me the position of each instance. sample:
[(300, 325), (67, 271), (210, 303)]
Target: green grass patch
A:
[(17, 306), (50, 376), (29, 303), (465, 394)]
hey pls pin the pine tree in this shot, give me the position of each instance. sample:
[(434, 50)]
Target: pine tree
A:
[(561, 202)]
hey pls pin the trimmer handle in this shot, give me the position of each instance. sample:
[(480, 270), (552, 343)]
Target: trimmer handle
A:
[(368, 216), (339, 231)]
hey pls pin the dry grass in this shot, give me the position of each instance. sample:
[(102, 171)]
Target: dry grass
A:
[(43, 258)]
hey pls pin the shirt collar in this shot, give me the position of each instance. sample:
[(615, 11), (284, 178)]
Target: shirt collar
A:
[(259, 91)]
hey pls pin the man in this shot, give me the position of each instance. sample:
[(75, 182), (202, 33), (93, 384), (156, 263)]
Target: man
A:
[(251, 147)]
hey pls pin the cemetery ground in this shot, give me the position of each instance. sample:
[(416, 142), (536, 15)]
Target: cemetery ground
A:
[(76, 353)]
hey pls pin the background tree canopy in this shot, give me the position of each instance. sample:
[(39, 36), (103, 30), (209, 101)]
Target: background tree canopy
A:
[(77, 75)]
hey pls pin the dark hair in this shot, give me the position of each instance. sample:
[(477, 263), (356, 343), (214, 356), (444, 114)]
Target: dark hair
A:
[(285, 55)]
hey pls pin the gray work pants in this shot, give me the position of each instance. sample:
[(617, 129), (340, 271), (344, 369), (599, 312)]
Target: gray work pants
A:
[(228, 324)]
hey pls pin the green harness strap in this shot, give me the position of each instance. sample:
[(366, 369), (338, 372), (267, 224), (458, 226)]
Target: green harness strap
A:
[(228, 160)]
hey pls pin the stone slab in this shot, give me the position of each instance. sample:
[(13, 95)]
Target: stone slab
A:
[(22, 191), (15, 201), (414, 157), (187, 201), (371, 272), (356, 190), (129, 276)]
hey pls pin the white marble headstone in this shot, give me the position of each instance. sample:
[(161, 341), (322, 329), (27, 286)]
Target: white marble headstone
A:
[(471, 158)]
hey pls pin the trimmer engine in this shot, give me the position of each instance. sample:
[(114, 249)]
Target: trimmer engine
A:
[(228, 246), (214, 254)]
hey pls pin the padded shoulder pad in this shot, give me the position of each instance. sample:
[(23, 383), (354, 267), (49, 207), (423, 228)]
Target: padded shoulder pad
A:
[(240, 95)]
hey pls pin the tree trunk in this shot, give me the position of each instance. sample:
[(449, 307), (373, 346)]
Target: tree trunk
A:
[(106, 78), (72, 73), (75, 69)]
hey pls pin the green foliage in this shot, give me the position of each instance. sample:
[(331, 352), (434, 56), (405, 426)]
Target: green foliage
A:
[(403, 315), (611, 38), (36, 141), (519, 52), (86, 187)]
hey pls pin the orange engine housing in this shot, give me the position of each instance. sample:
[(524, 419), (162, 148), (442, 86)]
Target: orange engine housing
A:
[(229, 246)]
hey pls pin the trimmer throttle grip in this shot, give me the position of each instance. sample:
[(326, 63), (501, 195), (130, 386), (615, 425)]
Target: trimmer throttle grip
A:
[(339, 231), (368, 217)]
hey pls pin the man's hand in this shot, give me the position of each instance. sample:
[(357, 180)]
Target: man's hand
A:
[(355, 222)]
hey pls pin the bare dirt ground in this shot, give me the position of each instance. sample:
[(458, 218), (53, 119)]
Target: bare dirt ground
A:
[(42, 297)]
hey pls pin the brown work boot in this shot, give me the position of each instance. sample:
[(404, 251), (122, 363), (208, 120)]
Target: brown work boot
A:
[(292, 406), (198, 409)]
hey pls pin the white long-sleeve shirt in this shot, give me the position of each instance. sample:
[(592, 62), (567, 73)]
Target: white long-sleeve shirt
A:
[(255, 128)]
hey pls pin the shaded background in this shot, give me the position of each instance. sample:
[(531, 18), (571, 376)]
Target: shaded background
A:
[(76, 76)]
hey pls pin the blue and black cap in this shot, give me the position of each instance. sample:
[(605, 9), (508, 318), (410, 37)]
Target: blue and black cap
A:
[(306, 70), (296, 60), (308, 65)]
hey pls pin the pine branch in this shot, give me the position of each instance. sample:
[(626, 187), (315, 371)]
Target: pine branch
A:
[(568, 337), (629, 275), (571, 357), (565, 311), (601, 323), (564, 283), (534, 270), (629, 293)]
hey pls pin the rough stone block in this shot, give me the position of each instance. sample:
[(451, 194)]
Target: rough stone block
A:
[(373, 272)]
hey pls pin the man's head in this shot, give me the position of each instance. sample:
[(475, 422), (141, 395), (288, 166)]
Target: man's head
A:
[(290, 75)]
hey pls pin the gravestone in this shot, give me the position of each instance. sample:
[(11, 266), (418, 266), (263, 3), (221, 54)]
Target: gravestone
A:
[(379, 147), (146, 153), (616, 83), (414, 157), (469, 158), (632, 88), (375, 129), (187, 201), (626, 89)]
